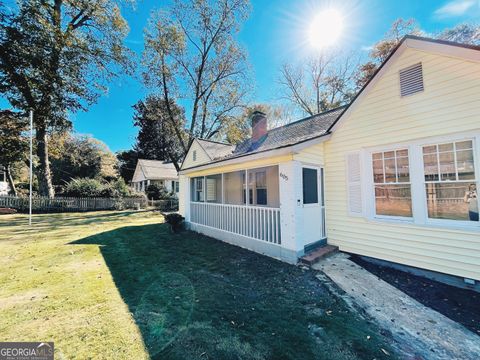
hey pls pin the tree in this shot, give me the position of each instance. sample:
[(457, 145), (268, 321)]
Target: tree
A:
[(322, 83), (126, 164), (81, 156), (55, 58), (191, 54), (464, 33), (13, 145), (157, 139)]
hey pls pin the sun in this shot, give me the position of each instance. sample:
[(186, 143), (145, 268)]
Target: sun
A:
[(325, 29)]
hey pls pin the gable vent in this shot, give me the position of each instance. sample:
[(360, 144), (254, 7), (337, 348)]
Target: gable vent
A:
[(411, 80)]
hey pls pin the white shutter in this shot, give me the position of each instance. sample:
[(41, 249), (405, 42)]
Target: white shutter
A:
[(354, 184)]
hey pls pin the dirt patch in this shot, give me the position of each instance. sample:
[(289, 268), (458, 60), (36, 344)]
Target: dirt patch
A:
[(460, 305)]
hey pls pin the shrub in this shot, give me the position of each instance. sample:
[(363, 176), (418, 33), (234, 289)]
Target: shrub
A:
[(175, 220), (157, 192), (84, 187)]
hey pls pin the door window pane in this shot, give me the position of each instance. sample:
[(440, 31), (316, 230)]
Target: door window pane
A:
[(310, 186)]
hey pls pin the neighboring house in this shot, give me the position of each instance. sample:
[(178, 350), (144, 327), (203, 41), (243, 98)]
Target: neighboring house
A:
[(393, 176), (3, 182), (155, 172)]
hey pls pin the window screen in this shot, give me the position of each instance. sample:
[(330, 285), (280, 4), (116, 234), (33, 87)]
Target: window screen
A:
[(310, 186)]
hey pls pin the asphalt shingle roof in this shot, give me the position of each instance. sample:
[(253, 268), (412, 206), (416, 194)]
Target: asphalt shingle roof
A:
[(155, 170), (216, 149), (287, 135)]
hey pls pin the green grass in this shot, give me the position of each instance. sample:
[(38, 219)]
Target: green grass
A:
[(120, 285)]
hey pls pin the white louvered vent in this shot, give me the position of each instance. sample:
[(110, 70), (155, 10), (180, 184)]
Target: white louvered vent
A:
[(411, 80), (354, 178)]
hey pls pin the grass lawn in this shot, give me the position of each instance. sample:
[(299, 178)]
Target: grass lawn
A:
[(119, 285)]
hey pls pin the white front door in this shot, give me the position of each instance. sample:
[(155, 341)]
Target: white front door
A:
[(313, 205)]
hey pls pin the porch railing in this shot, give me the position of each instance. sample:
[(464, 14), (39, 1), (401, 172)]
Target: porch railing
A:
[(261, 223)]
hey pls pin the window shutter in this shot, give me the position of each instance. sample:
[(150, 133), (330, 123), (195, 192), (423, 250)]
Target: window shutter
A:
[(411, 80), (354, 184)]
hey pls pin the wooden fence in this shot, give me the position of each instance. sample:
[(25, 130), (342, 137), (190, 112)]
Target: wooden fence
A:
[(71, 204)]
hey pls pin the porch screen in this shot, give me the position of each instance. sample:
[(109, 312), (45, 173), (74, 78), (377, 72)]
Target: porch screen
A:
[(214, 188), (234, 191), (197, 193)]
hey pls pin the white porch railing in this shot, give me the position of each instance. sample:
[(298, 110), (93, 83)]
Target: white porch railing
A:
[(261, 223)]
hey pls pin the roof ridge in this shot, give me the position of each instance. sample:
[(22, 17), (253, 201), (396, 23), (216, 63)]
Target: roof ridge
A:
[(213, 141), (309, 117)]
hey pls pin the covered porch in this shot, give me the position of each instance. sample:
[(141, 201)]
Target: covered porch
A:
[(277, 209)]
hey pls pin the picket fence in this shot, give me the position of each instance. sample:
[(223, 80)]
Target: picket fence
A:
[(71, 204)]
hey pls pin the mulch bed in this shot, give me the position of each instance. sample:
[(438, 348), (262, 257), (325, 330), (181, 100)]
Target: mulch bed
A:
[(460, 305)]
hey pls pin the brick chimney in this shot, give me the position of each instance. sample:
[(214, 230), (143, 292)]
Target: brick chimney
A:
[(259, 125)]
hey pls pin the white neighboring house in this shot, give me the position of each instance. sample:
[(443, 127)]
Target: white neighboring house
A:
[(155, 172), (3, 182)]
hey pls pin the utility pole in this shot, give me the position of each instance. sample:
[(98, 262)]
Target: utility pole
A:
[(31, 169)]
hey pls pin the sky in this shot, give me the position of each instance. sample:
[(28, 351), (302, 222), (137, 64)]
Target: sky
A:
[(274, 33)]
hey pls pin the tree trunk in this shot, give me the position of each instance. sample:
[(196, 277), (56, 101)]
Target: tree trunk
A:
[(44, 176), (11, 184)]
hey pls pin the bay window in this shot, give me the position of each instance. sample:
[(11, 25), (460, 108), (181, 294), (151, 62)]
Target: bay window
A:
[(450, 181), (391, 176)]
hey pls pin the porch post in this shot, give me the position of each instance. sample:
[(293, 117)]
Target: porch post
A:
[(184, 197), (290, 187)]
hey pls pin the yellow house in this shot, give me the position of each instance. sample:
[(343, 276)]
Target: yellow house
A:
[(392, 176)]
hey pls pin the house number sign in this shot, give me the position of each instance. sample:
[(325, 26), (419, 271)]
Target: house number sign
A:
[(283, 176)]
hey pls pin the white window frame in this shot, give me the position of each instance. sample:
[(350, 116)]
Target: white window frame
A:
[(372, 190), (417, 181)]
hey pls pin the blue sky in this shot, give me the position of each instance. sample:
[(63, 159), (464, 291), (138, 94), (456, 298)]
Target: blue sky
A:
[(274, 33)]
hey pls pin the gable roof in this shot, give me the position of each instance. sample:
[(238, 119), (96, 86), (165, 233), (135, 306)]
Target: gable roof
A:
[(472, 52), (156, 170), (323, 124), (215, 149)]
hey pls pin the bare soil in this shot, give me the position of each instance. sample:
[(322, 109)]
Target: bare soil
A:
[(460, 305)]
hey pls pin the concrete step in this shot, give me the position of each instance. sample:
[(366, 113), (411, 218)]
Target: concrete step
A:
[(318, 254)]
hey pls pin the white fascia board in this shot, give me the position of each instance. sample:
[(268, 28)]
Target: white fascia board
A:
[(444, 49)]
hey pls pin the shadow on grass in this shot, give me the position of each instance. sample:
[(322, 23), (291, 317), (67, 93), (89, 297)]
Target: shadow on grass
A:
[(194, 297)]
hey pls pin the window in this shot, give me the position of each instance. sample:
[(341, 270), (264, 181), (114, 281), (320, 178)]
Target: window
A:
[(391, 177), (197, 189), (411, 80), (194, 155), (450, 181), (261, 187), (177, 186), (310, 186)]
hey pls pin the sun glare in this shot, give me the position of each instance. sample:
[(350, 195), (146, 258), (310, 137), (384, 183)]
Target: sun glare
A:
[(325, 29)]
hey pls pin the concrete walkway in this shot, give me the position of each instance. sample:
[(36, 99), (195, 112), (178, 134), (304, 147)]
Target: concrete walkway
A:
[(418, 331)]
